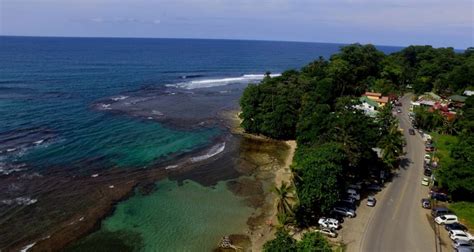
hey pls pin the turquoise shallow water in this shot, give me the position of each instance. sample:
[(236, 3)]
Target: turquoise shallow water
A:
[(119, 142), (174, 218)]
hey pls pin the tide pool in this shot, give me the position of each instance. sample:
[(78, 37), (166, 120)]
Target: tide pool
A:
[(172, 218)]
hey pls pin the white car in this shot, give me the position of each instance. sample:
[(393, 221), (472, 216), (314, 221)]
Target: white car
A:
[(425, 181), (328, 223), (446, 219), (458, 235)]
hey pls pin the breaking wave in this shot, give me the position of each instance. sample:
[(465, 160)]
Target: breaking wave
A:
[(207, 83), (22, 201), (216, 149)]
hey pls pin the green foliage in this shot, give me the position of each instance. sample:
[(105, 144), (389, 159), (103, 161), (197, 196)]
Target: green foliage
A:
[(313, 242), (465, 211), (428, 120), (316, 106), (283, 242), (284, 197), (426, 68), (458, 174), (391, 145), (319, 175)]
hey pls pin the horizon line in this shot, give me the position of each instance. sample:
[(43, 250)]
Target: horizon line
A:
[(257, 40)]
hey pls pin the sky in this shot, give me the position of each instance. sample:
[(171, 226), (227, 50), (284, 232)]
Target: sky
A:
[(440, 23)]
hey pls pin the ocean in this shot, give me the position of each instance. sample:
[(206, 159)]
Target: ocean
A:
[(80, 116)]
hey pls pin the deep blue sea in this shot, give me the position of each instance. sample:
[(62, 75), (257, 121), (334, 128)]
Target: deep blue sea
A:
[(49, 88)]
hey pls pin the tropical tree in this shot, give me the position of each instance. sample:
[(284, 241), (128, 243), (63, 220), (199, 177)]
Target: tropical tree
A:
[(283, 242), (391, 145), (312, 242), (385, 118), (285, 197)]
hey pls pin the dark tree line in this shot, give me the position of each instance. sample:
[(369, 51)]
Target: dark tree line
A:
[(335, 141), (458, 176)]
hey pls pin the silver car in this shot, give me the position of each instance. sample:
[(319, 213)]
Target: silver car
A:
[(371, 201)]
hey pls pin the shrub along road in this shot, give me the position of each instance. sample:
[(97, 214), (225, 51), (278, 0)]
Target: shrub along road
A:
[(398, 222)]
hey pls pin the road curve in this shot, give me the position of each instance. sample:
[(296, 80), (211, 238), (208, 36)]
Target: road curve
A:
[(398, 223)]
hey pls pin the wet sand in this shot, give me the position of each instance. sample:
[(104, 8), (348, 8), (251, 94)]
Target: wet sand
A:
[(273, 170)]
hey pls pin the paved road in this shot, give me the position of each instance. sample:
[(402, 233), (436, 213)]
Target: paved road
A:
[(398, 223)]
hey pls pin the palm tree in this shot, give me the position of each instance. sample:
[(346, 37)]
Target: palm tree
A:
[(392, 145), (284, 198)]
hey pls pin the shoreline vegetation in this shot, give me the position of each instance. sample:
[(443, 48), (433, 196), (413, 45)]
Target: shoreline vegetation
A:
[(319, 107)]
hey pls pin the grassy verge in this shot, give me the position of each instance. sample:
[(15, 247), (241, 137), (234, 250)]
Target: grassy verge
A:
[(444, 144), (465, 211)]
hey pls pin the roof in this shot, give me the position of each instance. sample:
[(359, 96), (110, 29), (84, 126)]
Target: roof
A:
[(457, 98), (383, 99), (368, 101), (372, 94)]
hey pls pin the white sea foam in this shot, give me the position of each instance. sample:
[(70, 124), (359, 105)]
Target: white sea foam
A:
[(39, 141), (119, 98), (216, 149), (171, 167), (27, 247), (31, 176), (7, 169), (206, 83), (105, 106), (25, 201)]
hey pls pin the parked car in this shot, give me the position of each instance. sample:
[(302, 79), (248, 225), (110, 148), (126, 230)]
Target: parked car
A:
[(446, 219), (345, 204), (374, 187), (328, 232), (462, 244), (464, 249), (426, 203), (353, 194), (427, 172), (411, 132), (458, 235), (356, 186), (371, 201), (328, 223), (425, 181), (349, 200), (438, 211), (429, 148), (455, 226), (439, 196), (344, 211), (339, 217)]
